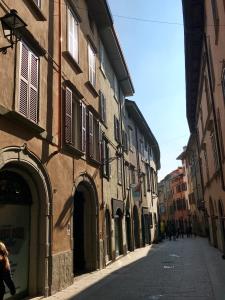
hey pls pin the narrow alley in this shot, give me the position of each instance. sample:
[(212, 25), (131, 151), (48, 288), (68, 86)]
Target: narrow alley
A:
[(182, 269)]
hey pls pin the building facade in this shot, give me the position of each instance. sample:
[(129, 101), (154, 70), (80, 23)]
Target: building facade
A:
[(190, 161), (142, 158), (173, 199), (204, 55), (63, 189)]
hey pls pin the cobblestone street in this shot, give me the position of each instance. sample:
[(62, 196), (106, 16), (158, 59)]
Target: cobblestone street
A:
[(183, 269)]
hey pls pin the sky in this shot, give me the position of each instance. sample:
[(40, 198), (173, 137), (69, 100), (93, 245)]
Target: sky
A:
[(154, 52)]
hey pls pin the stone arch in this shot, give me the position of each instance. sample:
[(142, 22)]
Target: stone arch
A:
[(85, 225), (27, 165)]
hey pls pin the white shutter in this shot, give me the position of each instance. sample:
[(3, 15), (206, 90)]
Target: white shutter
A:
[(24, 79), (72, 25), (83, 127), (91, 140), (68, 116), (33, 88), (91, 63)]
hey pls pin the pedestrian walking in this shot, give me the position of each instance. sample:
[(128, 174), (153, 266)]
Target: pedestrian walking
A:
[(5, 272)]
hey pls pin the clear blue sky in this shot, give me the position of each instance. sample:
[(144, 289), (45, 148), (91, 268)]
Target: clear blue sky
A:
[(154, 53)]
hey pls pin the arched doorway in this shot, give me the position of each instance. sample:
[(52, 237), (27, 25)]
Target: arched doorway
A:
[(222, 225), (213, 224), (128, 231), (15, 204), (108, 249), (136, 227), (85, 216), (24, 220), (118, 232)]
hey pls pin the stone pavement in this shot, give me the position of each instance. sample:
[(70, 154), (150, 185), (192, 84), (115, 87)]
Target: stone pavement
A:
[(186, 269)]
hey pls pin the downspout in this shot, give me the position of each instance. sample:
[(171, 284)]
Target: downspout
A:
[(59, 78), (214, 114)]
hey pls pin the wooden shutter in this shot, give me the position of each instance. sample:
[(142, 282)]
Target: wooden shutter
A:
[(100, 142), (91, 131), (101, 105), (83, 127), (33, 88), (68, 116), (109, 154), (24, 79), (116, 129), (103, 157)]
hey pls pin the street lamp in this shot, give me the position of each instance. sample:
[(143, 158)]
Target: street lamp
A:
[(11, 25)]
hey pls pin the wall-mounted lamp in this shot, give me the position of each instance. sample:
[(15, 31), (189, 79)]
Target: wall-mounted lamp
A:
[(11, 26)]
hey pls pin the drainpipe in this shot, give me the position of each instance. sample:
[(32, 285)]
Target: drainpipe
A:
[(59, 77), (214, 114)]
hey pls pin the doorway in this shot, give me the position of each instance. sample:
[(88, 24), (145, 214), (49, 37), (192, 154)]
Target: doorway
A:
[(84, 230), (136, 227)]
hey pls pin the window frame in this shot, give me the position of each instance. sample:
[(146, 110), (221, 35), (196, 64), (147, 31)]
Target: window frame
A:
[(91, 68), (29, 83), (71, 13)]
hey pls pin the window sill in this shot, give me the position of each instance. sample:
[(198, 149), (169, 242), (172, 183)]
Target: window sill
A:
[(67, 55), (16, 116), (103, 72), (93, 161), (36, 10), (71, 149), (92, 89)]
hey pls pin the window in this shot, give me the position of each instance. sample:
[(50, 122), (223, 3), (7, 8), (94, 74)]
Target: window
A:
[(130, 138), (116, 129), (223, 84), (125, 141), (102, 105), (75, 121), (72, 34), (211, 68), (93, 137), (208, 98), (37, 2), (148, 177), (216, 19), (220, 134), (119, 170), (144, 184), (127, 177), (102, 58), (214, 149), (133, 177), (91, 63), (28, 84), (142, 148), (106, 169), (116, 88)]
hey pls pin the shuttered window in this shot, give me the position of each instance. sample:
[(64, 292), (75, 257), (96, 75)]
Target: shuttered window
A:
[(106, 154), (73, 111), (37, 2), (68, 116), (102, 102), (72, 34), (116, 129), (119, 170), (216, 19), (28, 84), (83, 127), (91, 64), (91, 135)]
